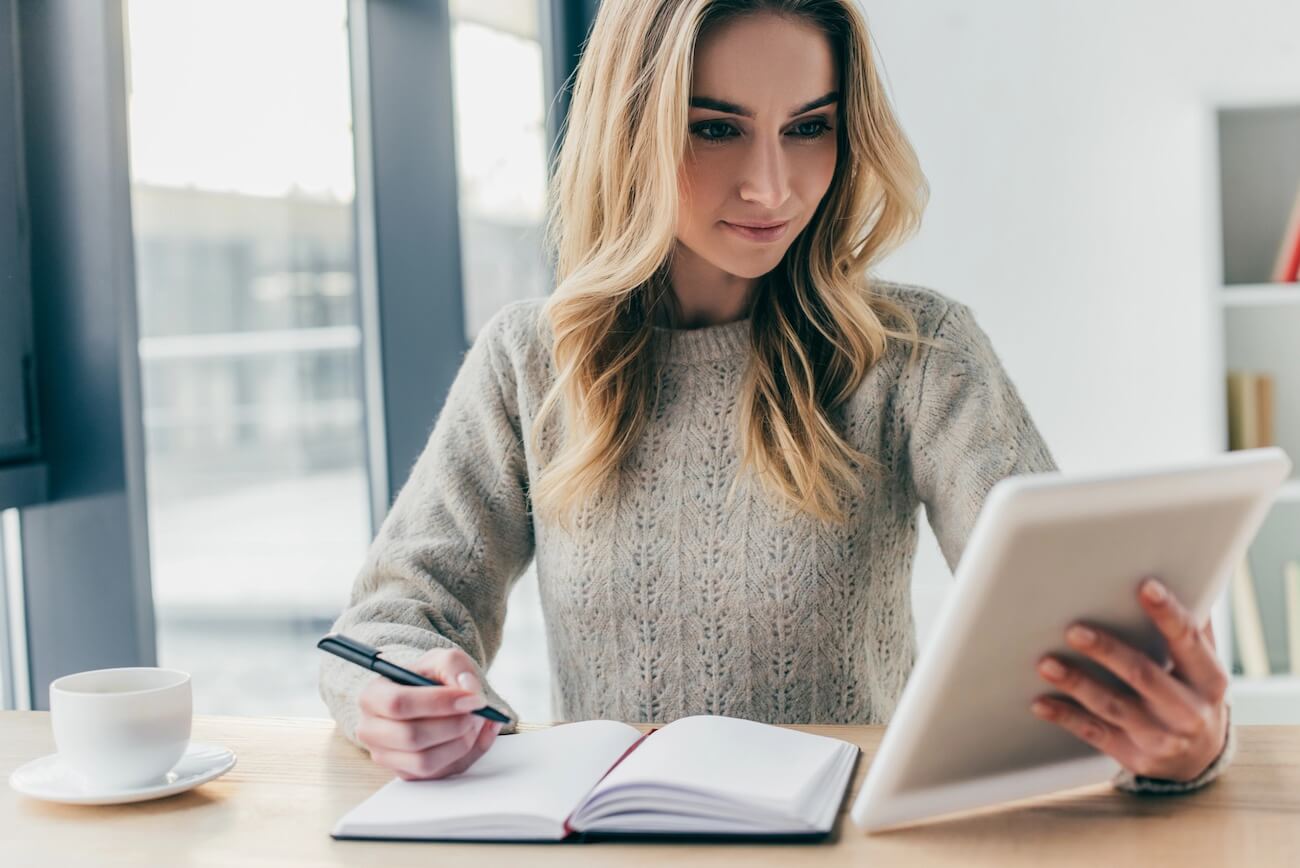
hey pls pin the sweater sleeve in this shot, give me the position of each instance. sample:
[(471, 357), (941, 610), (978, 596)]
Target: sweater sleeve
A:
[(458, 535), (970, 430), (1137, 784)]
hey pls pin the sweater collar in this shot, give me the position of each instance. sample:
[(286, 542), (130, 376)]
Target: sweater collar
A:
[(706, 344)]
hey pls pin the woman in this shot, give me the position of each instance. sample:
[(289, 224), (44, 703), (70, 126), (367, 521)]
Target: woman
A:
[(715, 434)]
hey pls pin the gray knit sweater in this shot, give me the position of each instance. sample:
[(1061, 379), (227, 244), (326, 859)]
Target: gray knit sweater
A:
[(662, 601)]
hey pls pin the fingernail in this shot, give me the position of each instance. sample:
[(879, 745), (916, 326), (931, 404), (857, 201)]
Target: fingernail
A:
[(1052, 669), (469, 703), (1080, 635), (468, 681), (1042, 709), (496, 727), (1154, 591)]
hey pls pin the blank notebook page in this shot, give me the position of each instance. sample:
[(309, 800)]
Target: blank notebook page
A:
[(534, 774), (738, 759)]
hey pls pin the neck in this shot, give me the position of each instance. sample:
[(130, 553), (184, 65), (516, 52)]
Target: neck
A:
[(703, 294)]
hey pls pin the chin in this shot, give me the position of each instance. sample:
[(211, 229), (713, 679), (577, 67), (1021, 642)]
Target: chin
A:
[(753, 266), (756, 269), (752, 272)]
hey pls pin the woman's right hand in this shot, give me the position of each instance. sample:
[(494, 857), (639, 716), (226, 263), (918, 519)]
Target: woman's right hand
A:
[(422, 733)]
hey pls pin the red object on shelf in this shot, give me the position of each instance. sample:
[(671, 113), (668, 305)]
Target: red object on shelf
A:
[(1286, 268), (1292, 272)]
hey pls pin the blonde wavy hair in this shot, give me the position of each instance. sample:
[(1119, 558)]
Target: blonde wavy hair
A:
[(817, 327)]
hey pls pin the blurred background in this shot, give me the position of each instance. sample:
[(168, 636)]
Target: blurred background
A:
[(243, 201), (239, 277)]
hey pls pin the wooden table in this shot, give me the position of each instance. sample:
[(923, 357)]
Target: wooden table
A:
[(296, 777)]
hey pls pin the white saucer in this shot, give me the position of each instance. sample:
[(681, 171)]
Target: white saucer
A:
[(47, 778)]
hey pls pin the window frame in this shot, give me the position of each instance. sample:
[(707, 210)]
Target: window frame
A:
[(90, 604), (22, 476), (412, 286)]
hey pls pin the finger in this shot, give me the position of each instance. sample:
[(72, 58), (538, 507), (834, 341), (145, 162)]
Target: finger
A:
[(1172, 702), (412, 735), (426, 764), (1191, 648), (1089, 728), (1125, 712), (451, 666), (384, 698), (487, 736)]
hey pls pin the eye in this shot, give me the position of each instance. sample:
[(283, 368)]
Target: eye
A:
[(718, 131), (813, 128), (713, 131)]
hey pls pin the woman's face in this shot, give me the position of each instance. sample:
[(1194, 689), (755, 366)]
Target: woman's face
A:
[(762, 141)]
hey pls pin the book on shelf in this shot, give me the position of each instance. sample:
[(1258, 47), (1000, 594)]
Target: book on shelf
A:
[(1247, 627), (1251, 409), (700, 776), (1251, 417), (1286, 265), (1292, 577)]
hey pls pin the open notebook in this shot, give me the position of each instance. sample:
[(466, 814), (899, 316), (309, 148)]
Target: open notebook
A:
[(697, 776)]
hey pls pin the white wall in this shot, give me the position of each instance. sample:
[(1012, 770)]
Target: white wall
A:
[(1068, 150)]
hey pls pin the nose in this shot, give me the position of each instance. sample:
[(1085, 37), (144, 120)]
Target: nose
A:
[(764, 177)]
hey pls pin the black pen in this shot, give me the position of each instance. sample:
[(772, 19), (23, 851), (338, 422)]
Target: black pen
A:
[(363, 655)]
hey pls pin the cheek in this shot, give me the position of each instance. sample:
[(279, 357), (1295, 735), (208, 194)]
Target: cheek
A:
[(814, 177), (701, 193)]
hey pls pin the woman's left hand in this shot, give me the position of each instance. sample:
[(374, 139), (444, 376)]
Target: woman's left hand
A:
[(1172, 723)]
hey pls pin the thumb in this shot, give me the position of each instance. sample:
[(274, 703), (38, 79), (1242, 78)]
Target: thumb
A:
[(452, 667), (469, 681)]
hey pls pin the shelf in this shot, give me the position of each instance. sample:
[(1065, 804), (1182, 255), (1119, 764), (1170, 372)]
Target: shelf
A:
[(1271, 700), (1268, 685), (1256, 161), (1254, 294), (1262, 339)]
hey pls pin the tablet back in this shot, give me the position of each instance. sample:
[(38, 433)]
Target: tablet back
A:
[(1047, 550)]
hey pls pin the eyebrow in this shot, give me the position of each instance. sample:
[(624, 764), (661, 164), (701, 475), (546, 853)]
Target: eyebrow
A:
[(707, 102)]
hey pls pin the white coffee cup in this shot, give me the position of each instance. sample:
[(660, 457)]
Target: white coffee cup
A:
[(121, 728)]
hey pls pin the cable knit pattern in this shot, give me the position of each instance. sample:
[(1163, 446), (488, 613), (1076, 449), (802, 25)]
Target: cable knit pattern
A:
[(662, 600)]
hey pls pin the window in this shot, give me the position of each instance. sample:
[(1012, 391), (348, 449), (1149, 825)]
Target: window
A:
[(501, 148), (500, 153), (242, 198), (14, 689), (7, 699), (250, 343)]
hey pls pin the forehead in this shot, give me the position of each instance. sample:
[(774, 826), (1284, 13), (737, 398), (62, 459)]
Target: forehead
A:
[(766, 62)]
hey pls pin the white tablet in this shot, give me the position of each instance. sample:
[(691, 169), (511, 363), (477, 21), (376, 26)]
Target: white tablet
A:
[(1048, 549)]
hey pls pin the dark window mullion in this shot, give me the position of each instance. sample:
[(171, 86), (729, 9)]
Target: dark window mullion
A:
[(18, 428), (85, 552), (407, 198)]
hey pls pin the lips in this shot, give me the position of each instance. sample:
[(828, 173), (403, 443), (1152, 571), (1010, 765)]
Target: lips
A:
[(758, 232)]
